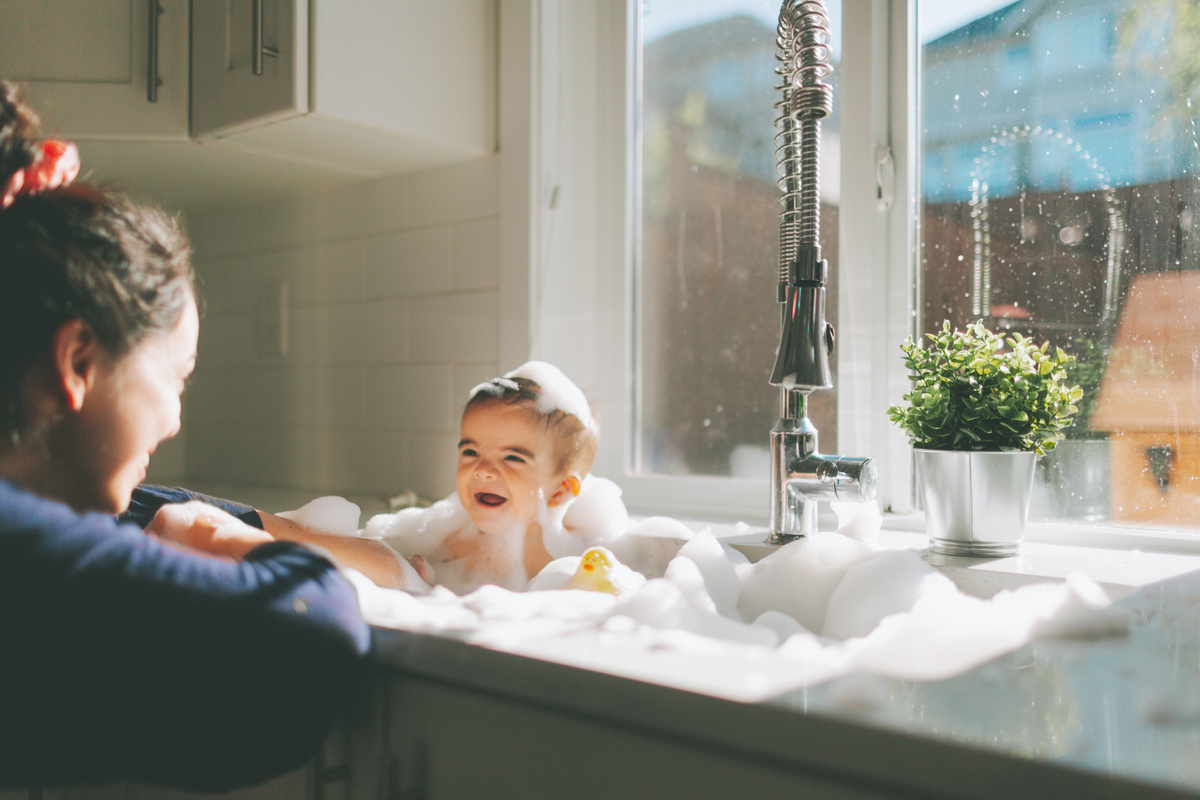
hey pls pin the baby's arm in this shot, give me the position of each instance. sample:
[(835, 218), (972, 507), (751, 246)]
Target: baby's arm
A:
[(373, 558)]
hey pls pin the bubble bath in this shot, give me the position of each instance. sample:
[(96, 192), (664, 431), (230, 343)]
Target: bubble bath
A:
[(695, 613)]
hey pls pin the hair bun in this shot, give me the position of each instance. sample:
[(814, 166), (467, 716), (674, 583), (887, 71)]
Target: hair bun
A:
[(19, 145), (56, 165)]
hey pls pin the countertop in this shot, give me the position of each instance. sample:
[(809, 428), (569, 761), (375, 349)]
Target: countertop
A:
[(1114, 717)]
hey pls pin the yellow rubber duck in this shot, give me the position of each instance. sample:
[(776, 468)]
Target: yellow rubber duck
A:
[(594, 572)]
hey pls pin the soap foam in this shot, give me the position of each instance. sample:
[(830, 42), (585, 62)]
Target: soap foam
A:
[(330, 514), (558, 392), (830, 604)]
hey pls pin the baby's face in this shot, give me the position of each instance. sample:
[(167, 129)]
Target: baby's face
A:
[(505, 467)]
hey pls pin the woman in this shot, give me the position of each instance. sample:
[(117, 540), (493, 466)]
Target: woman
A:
[(211, 657)]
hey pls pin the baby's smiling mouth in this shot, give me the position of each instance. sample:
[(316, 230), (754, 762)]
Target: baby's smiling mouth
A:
[(489, 499)]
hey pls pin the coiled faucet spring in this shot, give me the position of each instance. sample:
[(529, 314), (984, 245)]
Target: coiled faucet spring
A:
[(804, 53)]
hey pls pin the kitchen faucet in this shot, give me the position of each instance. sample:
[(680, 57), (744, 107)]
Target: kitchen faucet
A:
[(800, 475)]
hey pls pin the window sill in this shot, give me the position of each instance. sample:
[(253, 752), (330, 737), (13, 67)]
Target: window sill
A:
[(1120, 561)]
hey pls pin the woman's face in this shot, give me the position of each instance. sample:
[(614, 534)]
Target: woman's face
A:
[(131, 406)]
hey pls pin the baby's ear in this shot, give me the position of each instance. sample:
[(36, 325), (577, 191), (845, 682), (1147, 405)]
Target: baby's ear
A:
[(567, 490)]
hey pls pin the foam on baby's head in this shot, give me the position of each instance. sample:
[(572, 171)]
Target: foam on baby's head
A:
[(556, 392), (558, 402)]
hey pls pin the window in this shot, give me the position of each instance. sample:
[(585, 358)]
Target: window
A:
[(1088, 199), (1072, 119), (707, 325)]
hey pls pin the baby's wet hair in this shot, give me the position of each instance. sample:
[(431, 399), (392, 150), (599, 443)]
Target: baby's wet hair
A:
[(574, 442)]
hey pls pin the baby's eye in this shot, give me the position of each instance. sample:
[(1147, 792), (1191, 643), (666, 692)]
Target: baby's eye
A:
[(517, 459), (467, 452)]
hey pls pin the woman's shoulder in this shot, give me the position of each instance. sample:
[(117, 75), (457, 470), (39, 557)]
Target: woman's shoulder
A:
[(22, 511)]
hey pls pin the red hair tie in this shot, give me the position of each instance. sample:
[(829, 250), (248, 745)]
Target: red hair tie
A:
[(56, 165)]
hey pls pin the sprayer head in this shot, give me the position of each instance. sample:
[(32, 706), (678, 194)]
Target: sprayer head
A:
[(802, 360)]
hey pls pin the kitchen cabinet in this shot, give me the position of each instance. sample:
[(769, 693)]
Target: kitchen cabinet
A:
[(323, 778), (104, 69), (438, 742), (338, 91), (373, 86)]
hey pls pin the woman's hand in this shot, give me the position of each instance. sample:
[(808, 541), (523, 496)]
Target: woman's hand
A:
[(205, 529)]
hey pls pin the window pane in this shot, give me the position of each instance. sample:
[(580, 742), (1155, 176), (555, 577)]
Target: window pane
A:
[(707, 320), (1059, 156)]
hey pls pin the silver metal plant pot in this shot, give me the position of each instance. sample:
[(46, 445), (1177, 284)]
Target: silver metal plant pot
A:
[(976, 503)]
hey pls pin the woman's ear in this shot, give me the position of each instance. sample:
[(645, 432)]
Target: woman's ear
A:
[(76, 353), (567, 490)]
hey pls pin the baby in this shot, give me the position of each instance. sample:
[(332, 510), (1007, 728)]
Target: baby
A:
[(527, 441)]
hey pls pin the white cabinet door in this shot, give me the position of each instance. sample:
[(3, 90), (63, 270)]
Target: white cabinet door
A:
[(376, 86), (101, 69), (438, 741), (249, 63)]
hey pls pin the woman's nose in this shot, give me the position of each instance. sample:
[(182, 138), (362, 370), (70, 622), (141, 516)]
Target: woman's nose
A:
[(174, 427)]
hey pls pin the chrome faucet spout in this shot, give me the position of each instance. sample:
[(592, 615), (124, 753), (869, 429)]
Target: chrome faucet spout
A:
[(802, 361), (801, 475)]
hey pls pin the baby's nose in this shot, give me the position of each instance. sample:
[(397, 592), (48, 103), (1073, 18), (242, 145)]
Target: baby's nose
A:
[(484, 467)]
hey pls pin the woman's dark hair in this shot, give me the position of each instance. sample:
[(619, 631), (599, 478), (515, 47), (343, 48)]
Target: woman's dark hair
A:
[(77, 252)]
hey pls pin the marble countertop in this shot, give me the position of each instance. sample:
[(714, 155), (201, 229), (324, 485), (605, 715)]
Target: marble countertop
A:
[(1116, 717)]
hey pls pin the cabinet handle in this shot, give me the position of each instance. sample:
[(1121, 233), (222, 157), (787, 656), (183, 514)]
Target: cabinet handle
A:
[(257, 48), (152, 79)]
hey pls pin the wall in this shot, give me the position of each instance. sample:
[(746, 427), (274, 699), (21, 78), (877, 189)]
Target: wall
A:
[(341, 335)]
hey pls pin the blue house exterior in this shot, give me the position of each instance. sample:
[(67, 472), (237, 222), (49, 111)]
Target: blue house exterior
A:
[(1049, 95)]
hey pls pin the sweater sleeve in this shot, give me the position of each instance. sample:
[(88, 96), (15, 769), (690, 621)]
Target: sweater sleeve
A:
[(136, 661)]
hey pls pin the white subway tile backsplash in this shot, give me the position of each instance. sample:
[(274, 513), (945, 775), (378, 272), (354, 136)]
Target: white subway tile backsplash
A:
[(477, 254), (302, 398), (371, 207), (226, 343), (458, 192), (327, 396), (325, 273), (238, 455), (308, 336), (453, 328), (392, 317), (261, 228), (222, 285), (431, 465), (208, 399), (370, 462), (412, 262), (410, 398), (168, 465), (367, 333)]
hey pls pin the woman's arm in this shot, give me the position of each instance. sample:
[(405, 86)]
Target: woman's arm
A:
[(161, 510), (137, 661)]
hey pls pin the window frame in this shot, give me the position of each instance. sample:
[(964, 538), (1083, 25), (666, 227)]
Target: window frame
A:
[(597, 40)]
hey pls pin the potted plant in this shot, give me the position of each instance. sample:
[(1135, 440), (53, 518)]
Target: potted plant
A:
[(981, 410)]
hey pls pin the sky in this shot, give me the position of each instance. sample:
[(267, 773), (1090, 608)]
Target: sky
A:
[(935, 17)]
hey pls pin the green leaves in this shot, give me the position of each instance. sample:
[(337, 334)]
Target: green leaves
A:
[(976, 390)]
